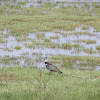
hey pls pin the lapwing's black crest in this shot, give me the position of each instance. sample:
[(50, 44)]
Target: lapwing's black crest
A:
[(51, 67)]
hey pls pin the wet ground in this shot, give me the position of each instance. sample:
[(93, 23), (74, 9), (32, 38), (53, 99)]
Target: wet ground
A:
[(34, 57), (64, 37)]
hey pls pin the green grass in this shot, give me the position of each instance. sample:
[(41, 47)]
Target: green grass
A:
[(29, 45), (68, 61), (2, 40), (45, 43), (18, 83), (80, 33), (40, 36), (85, 27), (98, 47), (84, 33), (54, 37), (46, 40), (69, 46), (66, 46), (7, 49), (21, 39), (86, 41), (57, 31), (17, 47), (79, 41), (90, 41), (89, 51)]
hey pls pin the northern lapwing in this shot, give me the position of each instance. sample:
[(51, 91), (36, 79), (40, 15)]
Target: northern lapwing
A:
[(51, 67)]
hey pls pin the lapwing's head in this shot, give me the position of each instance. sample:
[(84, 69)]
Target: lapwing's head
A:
[(45, 59)]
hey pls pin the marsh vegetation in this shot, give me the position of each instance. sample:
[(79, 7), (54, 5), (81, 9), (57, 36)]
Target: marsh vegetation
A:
[(49, 28)]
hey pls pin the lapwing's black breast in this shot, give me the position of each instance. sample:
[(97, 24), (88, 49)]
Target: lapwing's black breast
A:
[(45, 62)]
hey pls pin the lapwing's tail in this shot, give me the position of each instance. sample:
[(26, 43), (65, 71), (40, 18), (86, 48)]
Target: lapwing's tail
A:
[(59, 71)]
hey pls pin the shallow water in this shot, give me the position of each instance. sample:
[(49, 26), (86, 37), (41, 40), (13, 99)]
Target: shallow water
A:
[(25, 55), (11, 43)]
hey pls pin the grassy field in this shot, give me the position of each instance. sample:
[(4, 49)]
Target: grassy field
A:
[(18, 83)]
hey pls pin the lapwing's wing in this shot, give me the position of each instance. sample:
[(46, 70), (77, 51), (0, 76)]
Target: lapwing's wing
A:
[(53, 67)]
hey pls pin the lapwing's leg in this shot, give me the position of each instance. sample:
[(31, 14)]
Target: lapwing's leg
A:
[(50, 72)]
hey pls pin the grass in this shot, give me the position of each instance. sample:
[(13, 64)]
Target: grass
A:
[(1, 33), (80, 33), (85, 27), (21, 38), (90, 41), (7, 49), (66, 46), (79, 41), (70, 46), (40, 36), (84, 33), (57, 31), (51, 45), (98, 47), (54, 37), (63, 60), (68, 61), (86, 41), (27, 83), (18, 47), (2, 40), (45, 43), (29, 45), (89, 51), (46, 40)]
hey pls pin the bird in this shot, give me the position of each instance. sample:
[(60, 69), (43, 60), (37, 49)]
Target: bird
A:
[(51, 67)]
